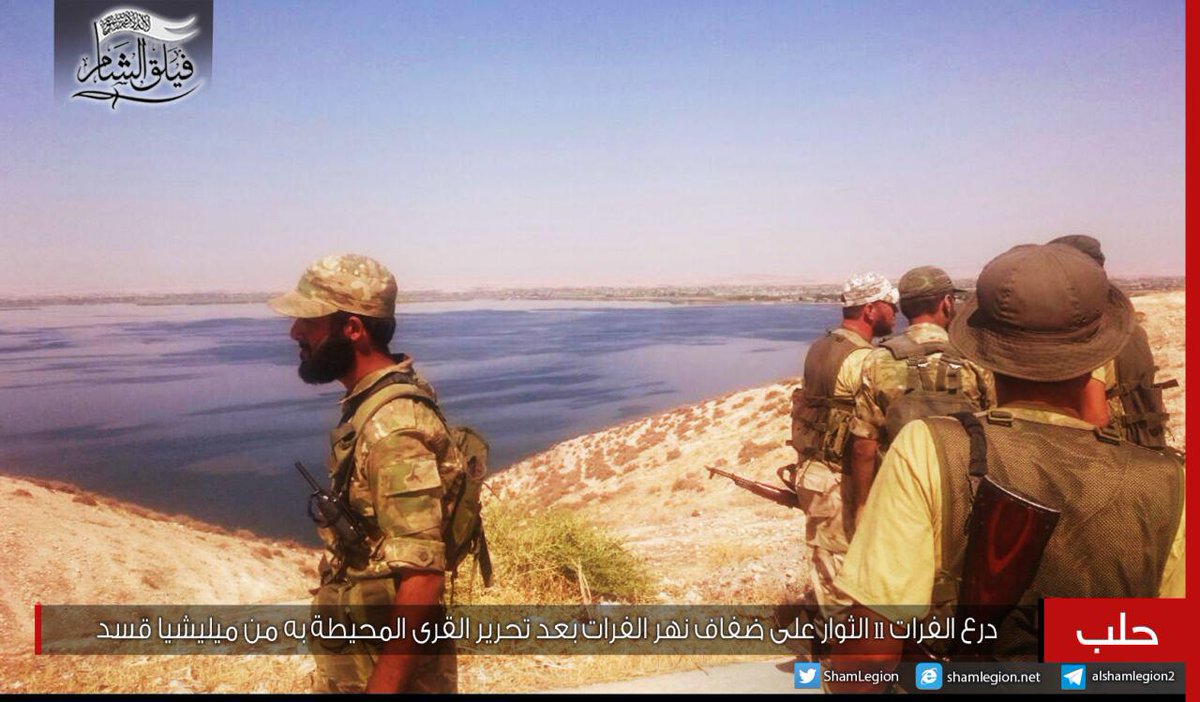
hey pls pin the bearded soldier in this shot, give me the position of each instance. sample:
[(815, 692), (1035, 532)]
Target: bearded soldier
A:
[(388, 459), (912, 375), (821, 414), (1042, 319)]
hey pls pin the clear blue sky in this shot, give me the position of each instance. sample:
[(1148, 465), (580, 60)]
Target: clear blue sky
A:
[(529, 143)]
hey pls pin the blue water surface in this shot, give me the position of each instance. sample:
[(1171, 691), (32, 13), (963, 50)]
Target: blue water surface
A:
[(198, 409)]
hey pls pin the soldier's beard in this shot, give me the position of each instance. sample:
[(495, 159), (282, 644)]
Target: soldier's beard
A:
[(330, 360)]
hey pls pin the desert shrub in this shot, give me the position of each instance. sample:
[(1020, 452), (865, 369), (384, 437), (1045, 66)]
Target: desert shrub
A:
[(600, 471), (751, 450), (687, 482), (540, 557), (625, 453), (84, 498)]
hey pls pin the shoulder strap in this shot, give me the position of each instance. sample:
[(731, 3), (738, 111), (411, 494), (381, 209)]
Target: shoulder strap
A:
[(902, 347), (977, 465), (372, 396), (359, 412), (849, 337)]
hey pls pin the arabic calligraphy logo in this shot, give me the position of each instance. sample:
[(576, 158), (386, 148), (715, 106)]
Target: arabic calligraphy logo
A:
[(139, 57), (1150, 639)]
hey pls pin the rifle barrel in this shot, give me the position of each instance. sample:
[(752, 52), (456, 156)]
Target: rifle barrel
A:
[(307, 476)]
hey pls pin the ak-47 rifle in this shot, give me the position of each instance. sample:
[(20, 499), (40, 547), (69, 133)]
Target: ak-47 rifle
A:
[(781, 496), (1007, 535)]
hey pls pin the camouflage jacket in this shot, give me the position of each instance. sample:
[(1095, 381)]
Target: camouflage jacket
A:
[(396, 481), (885, 378)]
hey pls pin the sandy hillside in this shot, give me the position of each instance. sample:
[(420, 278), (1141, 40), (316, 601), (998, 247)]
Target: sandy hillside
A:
[(66, 546), (709, 540)]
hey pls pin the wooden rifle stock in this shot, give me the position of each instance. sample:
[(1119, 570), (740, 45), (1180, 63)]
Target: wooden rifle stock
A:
[(1006, 538)]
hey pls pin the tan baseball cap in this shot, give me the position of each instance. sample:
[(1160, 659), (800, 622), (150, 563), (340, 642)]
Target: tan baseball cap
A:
[(345, 282), (1044, 313), (865, 288)]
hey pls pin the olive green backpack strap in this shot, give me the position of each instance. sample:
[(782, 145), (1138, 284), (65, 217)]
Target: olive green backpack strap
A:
[(359, 412), (463, 533), (390, 387)]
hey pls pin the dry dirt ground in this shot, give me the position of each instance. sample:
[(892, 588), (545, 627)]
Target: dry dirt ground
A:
[(706, 540)]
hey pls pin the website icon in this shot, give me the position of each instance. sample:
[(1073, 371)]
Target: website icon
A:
[(929, 676)]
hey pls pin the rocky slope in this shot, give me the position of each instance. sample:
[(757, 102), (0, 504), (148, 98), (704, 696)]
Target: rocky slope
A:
[(709, 540)]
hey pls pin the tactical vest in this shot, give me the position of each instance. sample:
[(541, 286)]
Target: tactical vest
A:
[(461, 471), (1119, 505), (821, 421), (933, 387), (1144, 416)]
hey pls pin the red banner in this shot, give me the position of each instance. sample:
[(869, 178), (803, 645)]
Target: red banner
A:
[(1115, 630)]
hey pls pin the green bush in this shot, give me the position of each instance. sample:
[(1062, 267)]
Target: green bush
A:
[(556, 557)]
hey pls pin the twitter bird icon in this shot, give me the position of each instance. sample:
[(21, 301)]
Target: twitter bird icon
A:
[(808, 675)]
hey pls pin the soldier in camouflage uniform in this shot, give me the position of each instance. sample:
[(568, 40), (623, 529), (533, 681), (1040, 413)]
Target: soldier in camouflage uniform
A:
[(388, 467), (919, 359), (821, 413)]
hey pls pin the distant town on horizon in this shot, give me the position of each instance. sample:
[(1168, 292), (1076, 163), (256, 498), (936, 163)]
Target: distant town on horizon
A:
[(683, 294)]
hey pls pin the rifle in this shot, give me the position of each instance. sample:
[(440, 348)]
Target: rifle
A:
[(1006, 539), (326, 510), (781, 496), (1007, 535)]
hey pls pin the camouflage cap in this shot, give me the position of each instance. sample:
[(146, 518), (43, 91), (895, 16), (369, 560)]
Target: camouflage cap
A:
[(926, 281), (346, 282), (865, 288)]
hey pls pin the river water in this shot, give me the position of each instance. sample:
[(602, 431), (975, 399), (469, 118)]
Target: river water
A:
[(198, 410)]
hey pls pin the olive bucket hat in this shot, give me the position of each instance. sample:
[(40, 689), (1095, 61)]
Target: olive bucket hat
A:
[(1044, 313)]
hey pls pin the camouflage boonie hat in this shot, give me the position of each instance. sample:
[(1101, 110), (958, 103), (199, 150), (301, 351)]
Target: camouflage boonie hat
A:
[(865, 288), (926, 281), (346, 282)]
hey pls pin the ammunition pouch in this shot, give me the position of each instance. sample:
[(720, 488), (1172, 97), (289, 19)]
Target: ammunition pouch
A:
[(820, 427), (933, 386)]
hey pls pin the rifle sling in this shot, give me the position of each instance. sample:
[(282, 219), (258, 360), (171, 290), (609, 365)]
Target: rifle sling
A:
[(977, 466), (341, 480)]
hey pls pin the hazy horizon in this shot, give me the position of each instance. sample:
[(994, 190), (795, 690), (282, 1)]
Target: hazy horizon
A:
[(558, 144), (488, 288)]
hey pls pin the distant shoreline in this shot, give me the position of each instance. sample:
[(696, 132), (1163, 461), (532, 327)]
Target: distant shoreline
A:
[(824, 293)]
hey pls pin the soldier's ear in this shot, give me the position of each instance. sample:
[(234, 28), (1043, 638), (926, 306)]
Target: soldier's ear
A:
[(870, 312), (354, 330)]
